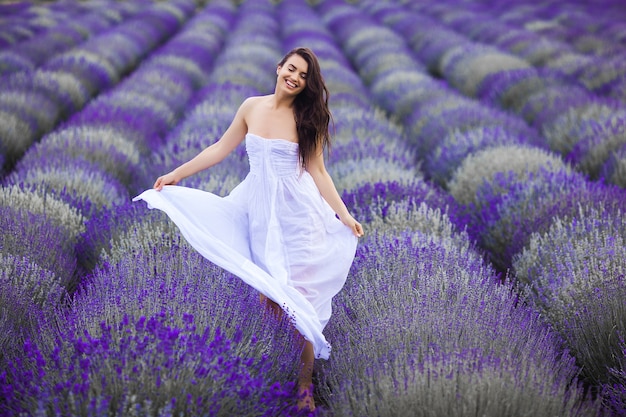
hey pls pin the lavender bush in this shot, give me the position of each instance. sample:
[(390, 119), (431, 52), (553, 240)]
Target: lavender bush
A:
[(445, 158), (581, 295), (545, 105), (26, 234), (614, 169), (21, 319), (615, 392), (466, 66), (507, 222), (144, 366), (94, 65), (56, 211), (30, 53), (116, 151), (516, 161), (510, 89), (402, 310), (42, 286)]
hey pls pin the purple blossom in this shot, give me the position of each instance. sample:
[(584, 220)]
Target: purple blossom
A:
[(598, 140), (506, 221), (510, 89), (26, 234), (614, 169), (544, 106), (155, 364), (395, 324), (79, 182), (445, 158), (462, 116)]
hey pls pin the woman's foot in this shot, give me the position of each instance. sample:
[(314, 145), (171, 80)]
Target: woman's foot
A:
[(305, 398)]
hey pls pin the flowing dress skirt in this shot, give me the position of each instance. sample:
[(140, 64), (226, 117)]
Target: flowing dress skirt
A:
[(274, 231)]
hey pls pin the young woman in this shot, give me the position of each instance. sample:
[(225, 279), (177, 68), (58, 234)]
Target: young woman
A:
[(284, 229)]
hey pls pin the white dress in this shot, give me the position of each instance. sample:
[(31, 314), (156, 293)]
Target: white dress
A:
[(274, 231)]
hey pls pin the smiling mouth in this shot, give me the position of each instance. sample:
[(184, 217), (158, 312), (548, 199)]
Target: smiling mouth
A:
[(290, 84)]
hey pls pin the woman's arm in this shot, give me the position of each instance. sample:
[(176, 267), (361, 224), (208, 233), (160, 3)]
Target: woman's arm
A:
[(315, 167), (214, 153)]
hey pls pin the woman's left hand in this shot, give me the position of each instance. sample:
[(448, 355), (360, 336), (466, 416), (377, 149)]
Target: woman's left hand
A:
[(355, 226)]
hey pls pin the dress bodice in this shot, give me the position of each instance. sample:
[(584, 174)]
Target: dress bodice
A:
[(276, 157)]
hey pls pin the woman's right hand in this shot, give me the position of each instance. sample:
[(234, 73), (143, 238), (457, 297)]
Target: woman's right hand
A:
[(167, 179)]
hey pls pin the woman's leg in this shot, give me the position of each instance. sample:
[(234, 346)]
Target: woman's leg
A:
[(272, 306), (305, 377)]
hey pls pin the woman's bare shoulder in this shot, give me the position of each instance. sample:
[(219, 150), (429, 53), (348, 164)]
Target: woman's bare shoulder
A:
[(251, 104), (255, 100)]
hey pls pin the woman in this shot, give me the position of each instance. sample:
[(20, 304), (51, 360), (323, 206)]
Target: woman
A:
[(284, 229)]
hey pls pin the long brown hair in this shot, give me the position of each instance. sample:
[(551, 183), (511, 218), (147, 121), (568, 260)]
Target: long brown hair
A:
[(311, 107)]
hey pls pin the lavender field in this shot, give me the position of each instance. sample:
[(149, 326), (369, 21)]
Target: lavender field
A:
[(481, 143)]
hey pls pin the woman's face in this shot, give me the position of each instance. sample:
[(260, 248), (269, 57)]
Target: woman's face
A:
[(292, 74)]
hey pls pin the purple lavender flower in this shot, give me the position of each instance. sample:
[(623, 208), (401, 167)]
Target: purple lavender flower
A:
[(507, 221), (32, 236), (434, 319), (614, 169), (445, 158), (145, 363), (510, 89), (598, 139), (544, 106), (22, 320), (581, 295), (75, 180)]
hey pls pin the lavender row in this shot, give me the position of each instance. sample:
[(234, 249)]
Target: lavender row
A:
[(563, 290), (48, 213), (20, 21), (512, 200), (30, 53), (33, 103), (585, 42), (42, 220), (586, 129), (596, 29)]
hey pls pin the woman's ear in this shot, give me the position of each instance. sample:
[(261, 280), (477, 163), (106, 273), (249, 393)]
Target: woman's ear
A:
[(277, 69)]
